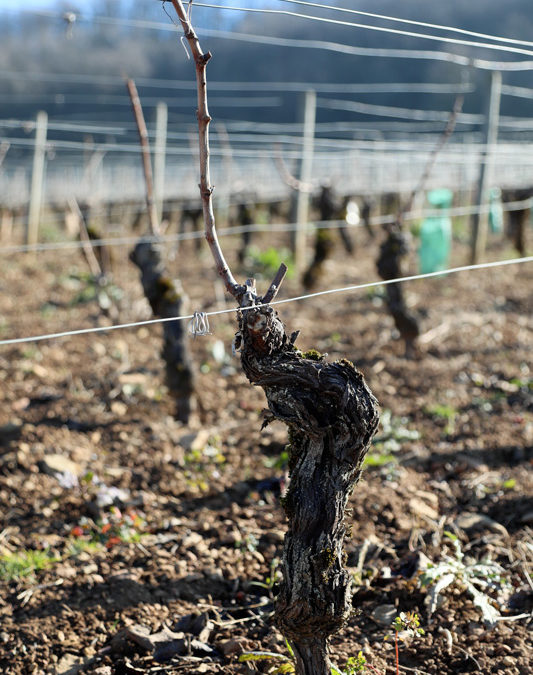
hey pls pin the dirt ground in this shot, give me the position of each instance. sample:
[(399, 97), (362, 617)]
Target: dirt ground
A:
[(118, 523)]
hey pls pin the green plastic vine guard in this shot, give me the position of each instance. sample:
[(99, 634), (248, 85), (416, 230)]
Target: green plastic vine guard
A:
[(436, 234), (496, 211)]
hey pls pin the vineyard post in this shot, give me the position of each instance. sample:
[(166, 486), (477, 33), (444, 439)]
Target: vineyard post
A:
[(37, 178), (6, 221), (331, 417), (160, 157), (224, 199), (4, 149), (306, 165), (480, 220)]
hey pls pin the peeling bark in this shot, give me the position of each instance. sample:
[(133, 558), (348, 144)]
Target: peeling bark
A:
[(331, 416)]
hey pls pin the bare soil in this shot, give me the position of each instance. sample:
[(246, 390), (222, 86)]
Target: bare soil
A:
[(199, 508)]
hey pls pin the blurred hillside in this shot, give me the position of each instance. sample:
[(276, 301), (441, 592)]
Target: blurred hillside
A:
[(40, 55)]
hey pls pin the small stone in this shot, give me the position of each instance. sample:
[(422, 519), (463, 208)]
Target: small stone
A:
[(230, 647), (196, 441), (384, 615), (91, 568), (192, 539), (65, 571), (21, 404), (428, 497), (133, 378), (54, 464), (69, 663), (508, 661), (258, 556), (118, 408)]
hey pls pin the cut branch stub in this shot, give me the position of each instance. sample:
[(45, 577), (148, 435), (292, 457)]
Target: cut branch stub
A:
[(331, 415)]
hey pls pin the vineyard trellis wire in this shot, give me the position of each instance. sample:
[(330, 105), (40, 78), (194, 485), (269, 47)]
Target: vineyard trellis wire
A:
[(307, 296), (457, 59), (259, 227), (382, 29), (396, 19), (311, 17)]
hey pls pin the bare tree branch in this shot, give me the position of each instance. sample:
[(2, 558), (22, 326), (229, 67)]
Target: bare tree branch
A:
[(147, 164), (86, 244), (287, 177)]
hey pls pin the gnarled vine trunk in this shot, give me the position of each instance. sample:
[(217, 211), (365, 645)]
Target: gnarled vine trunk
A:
[(331, 415), (166, 301), (389, 265)]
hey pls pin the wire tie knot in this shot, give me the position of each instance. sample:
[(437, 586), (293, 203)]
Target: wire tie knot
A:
[(199, 324)]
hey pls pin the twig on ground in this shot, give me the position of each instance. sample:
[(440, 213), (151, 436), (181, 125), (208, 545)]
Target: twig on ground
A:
[(417, 671), (262, 616), (469, 656), (434, 333), (26, 596)]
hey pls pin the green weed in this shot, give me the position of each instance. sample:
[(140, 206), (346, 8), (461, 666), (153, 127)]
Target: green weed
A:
[(266, 263), (24, 563), (444, 412), (476, 577)]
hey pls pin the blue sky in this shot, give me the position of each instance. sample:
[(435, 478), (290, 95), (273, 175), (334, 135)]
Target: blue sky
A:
[(15, 4)]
